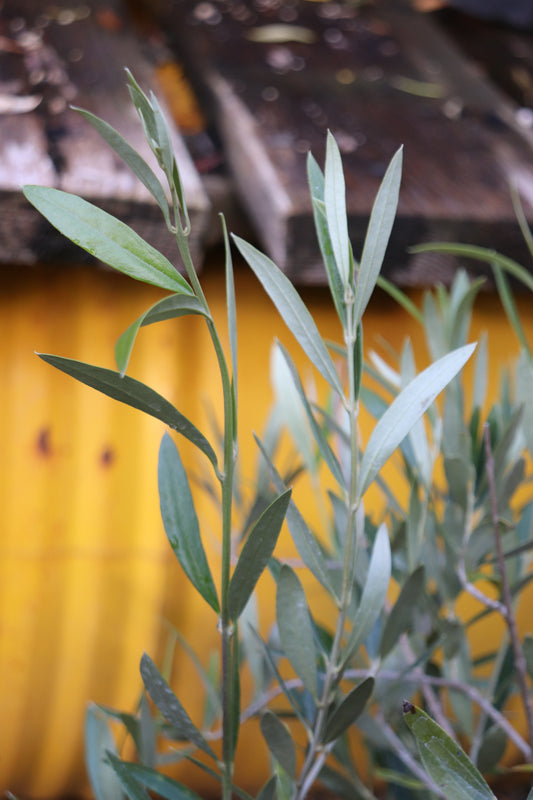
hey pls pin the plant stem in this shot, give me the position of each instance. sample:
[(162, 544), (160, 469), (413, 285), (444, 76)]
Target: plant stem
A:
[(227, 629), (394, 676), (317, 754), (519, 658)]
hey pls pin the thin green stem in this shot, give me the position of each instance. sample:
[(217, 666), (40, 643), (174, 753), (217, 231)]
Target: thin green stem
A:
[(227, 628), (509, 614), (317, 753)]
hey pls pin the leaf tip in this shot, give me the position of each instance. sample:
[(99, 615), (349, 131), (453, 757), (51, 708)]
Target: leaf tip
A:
[(408, 708)]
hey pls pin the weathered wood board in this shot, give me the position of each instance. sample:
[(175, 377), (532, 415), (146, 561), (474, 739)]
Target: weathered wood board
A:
[(75, 53), (278, 75)]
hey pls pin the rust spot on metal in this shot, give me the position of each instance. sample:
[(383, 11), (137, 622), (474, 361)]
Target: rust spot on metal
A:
[(107, 457), (43, 444)]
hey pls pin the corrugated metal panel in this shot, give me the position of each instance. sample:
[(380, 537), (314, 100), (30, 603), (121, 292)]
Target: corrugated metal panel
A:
[(82, 555), (87, 580)]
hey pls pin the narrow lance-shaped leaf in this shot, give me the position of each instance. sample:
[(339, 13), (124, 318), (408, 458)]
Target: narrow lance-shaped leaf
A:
[(133, 789), (444, 760), (133, 393), (169, 705), (510, 308), (303, 538), (177, 305), (295, 629), (374, 593), (256, 553), (293, 311), (323, 445), (335, 203), (401, 615), (144, 110), (378, 234), (181, 523), (349, 710), (163, 138), (106, 237), (269, 791), (98, 741), (130, 157), (481, 254), (279, 741), (315, 179), (405, 410)]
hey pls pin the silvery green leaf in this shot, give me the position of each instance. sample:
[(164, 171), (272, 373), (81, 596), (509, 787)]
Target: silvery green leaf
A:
[(492, 749), (444, 760), (524, 393), (336, 216), (402, 612), (269, 791), (256, 553), (295, 628), (351, 707), (291, 406), (163, 137), (130, 157), (374, 593), (144, 110), (133, 393), (132, 788), (171, 708), (177, 305), (403, 300), (323, 445), (378, 234), (417, 435), (106, 238), (306, 543), (510, 307), (279, 741), (315, 179), (98, 742), (293, 311), (405, 410), (181, 523)]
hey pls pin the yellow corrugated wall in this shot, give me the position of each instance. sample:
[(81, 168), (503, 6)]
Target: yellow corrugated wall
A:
[(87, 580)]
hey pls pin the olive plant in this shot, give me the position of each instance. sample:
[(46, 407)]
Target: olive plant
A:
[(379, 655)]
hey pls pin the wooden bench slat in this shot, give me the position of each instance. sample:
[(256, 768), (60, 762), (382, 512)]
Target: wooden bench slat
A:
[(378, 76)]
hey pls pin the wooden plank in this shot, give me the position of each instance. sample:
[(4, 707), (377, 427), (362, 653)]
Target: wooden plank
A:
[(378, 76), (76, 53)]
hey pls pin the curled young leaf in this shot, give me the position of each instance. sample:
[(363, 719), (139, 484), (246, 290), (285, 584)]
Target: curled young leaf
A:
[(177, 305)]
